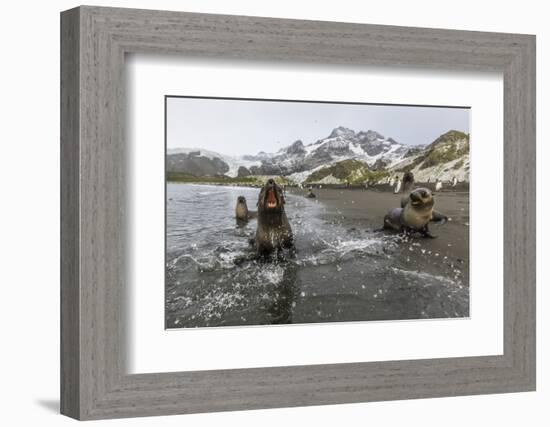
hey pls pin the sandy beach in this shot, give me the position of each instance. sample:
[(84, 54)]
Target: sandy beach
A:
[(364, 210)]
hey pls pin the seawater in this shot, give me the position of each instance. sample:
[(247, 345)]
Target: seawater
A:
[(337, 274)]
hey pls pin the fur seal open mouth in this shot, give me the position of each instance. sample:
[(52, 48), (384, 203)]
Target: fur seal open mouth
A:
[(416, 200), (421, 197), (273, 232), (271, 199)]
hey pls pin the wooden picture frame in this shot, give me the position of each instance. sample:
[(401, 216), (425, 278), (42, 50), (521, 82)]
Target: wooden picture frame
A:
[(94, 382)]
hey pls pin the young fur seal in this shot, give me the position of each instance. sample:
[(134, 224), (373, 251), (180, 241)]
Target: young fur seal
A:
[(408, 184), (408, 181), (242, 214), (415, 215), (273, 232), (311, 194)]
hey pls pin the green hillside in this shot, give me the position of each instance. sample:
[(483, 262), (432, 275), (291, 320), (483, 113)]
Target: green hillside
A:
[(351, 171), (256, 181), (450, 146)]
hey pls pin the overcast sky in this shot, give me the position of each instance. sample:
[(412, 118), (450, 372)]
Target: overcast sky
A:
[(237, 127)]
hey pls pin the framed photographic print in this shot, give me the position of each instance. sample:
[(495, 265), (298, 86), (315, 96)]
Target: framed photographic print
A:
[(304, 233), (260, 213)]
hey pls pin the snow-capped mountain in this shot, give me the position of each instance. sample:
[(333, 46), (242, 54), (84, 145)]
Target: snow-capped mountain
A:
[(296, 159), (299, 162), (342, 144)]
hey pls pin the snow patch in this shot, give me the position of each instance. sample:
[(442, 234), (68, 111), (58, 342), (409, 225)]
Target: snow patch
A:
[(233, 162)]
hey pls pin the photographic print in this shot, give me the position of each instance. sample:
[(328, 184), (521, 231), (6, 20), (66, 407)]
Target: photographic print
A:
[(293, 212)]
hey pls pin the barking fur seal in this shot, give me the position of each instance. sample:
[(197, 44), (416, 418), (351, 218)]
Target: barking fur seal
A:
[(415, 214), (273, 232)]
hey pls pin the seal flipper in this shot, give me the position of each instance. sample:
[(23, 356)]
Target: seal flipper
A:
[(426, 232), (439, 218), (392, 220)]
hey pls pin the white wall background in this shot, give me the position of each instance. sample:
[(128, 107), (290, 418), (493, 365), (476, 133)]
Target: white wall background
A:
[(29, 224)]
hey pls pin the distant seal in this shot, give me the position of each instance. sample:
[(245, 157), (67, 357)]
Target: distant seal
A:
[(415, 215), (242, 214), (311, 194), (408, 184), (408, 181), (273, 232)]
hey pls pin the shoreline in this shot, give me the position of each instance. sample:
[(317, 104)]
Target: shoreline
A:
[(463, 187)]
